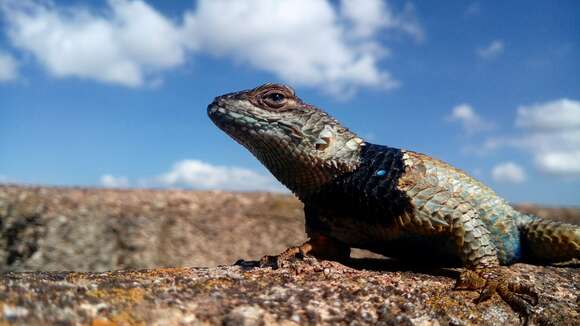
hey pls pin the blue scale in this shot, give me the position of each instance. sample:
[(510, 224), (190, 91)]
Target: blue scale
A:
[(380, 173)]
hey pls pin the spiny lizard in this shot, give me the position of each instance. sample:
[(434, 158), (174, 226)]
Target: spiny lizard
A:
[(391, 201)]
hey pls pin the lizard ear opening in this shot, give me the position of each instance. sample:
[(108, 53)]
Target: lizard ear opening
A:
[(324, 138), (321, 144)]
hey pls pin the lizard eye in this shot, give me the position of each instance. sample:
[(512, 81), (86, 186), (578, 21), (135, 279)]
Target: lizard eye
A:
[(275, 99)]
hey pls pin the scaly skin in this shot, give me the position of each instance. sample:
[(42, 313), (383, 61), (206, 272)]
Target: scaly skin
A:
[(391, 201)]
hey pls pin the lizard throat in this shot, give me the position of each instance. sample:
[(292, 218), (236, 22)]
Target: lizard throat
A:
[(303, 174)]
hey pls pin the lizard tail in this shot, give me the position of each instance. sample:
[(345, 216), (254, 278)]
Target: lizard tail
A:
[(549, 241)]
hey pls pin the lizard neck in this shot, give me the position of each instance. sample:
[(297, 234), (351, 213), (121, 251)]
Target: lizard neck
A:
[(303, 173)]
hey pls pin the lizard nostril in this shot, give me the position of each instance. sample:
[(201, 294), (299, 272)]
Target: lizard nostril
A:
[(219, 101)]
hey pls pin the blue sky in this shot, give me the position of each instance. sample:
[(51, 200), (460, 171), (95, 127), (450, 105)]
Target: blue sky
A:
[(114, 93)]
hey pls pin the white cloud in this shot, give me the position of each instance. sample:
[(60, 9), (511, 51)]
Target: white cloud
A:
[(304, 42), (493, 50), (123, 44), (555, 115), (508, 172), (550, 133), (553, 135), (201, 175), (8, 67), (370, 16), (470, 121), (562, 163), (110, 181)]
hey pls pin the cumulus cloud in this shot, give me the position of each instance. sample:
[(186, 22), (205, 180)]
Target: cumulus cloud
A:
[(370, 16), (201, 175), (302, 41), (508, 172), (8, 67), (562, 163), (553, 135), (122, 44), (110, 181), (197, 174), (550, 132), (562, 114), (493, 50), (129, 43), (470, 121)]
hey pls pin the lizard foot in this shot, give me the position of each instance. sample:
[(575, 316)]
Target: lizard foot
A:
[(519, 296), (282, 259), (318, 246)]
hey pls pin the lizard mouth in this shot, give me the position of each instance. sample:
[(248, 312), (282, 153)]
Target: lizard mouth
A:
[(221, 115), (234, 121)]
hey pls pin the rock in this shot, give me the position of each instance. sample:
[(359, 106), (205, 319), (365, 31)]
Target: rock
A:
[(245, 316), (81, 229), (44, 229), (365, 291)]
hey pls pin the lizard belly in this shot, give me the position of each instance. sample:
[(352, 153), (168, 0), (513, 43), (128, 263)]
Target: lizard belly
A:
[(390, 240)]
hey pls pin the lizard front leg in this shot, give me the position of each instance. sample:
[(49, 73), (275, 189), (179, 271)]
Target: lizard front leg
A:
[(318, 245)]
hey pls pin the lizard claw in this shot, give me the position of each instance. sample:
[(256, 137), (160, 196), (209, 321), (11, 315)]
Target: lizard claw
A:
[(519, 296), (269, 261), (318, 246), (282, 259)]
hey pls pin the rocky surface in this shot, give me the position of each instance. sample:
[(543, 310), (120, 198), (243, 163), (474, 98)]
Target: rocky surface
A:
[(305, 292), (51, 229), (77, 229), (43, 229)]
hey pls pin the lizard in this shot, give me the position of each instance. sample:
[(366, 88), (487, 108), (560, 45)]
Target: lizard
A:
[(395, 202)]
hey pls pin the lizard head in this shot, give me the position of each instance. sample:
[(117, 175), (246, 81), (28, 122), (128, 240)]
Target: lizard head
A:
[(297, 142)]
